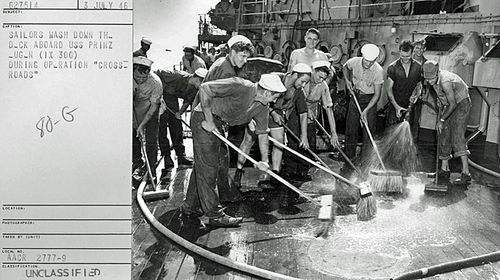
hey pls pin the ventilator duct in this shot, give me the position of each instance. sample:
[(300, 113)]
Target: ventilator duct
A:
[(455, 52), (442, 43)]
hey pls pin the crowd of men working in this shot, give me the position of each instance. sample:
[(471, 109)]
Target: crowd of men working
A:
[(284, 106)]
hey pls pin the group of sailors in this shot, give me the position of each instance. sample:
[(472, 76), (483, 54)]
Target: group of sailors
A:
[(283, 106)]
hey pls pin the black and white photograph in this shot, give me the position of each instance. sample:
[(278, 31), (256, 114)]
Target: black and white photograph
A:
[(250, 139)]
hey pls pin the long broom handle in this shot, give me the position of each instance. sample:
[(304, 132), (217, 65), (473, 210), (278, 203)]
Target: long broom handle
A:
[(307, 149), (437, 150), (143, 148), (283, 181), (328, 170), (368, 130), (145, 154), (339, 149), (276, 176)]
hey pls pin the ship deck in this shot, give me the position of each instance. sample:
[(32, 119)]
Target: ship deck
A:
[(412, 230)]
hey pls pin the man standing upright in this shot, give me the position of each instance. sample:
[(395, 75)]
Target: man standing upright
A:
[(364, 78), (427, 91), (454, 101), (309, 53), (145, 46), (146, 100), (404, 78), (418, 51), (190, 61)]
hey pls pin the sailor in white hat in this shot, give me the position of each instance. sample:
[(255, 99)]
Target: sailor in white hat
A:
[(370, 52), (229, 66), (240, 49), (191, 61), (364, 78), (176, 85), (292, 102), (320, 94), (233, 101), (147, 91), (145, 46), (317, 93)]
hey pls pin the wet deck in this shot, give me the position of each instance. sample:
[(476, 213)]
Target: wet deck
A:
[(411, 231)]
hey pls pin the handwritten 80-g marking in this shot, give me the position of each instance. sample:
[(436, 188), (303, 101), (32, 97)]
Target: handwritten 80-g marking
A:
[(46, 125)]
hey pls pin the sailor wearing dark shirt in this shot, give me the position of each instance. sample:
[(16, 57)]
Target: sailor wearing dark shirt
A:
[(241, 49), (176, 84), (404, 77), (233, 101)]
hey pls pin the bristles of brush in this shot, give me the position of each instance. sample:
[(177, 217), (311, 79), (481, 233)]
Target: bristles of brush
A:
[(366, 208), (386, 183), (326, 215)]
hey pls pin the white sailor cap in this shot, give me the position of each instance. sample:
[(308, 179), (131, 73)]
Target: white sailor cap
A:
[(146, 41), (238, 38), (301, 68), (370, 52), (201, 72), (271, 82), (142, 60), (320, 63), (188, 49)]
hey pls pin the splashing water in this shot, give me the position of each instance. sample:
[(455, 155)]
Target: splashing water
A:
[(397, 150)]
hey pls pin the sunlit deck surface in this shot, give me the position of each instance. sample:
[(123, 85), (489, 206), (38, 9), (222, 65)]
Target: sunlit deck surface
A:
[(412, 230)]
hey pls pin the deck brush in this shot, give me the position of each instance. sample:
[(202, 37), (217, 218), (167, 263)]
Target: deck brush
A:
[(326, 215), (366, 206), (386, 182)]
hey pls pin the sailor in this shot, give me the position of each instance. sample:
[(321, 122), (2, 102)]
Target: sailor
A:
[(147, 90), (229, 66), (232, 101), (454, 101), (404, 77), (145, 46), (241, 49), (418, 51), (309, 53), (364, 78), (176, 84), (427, 91), (190, 61), (318, 94), (292, 102)]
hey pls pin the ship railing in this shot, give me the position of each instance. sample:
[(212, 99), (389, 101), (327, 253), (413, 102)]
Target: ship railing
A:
[(265, 10)]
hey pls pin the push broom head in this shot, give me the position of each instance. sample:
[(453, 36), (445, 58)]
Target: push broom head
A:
[(326, 215), (367, 206), (386, 181)]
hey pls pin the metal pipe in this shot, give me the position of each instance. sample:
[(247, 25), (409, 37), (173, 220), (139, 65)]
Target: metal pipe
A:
[(360, 4), (483, 121)]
